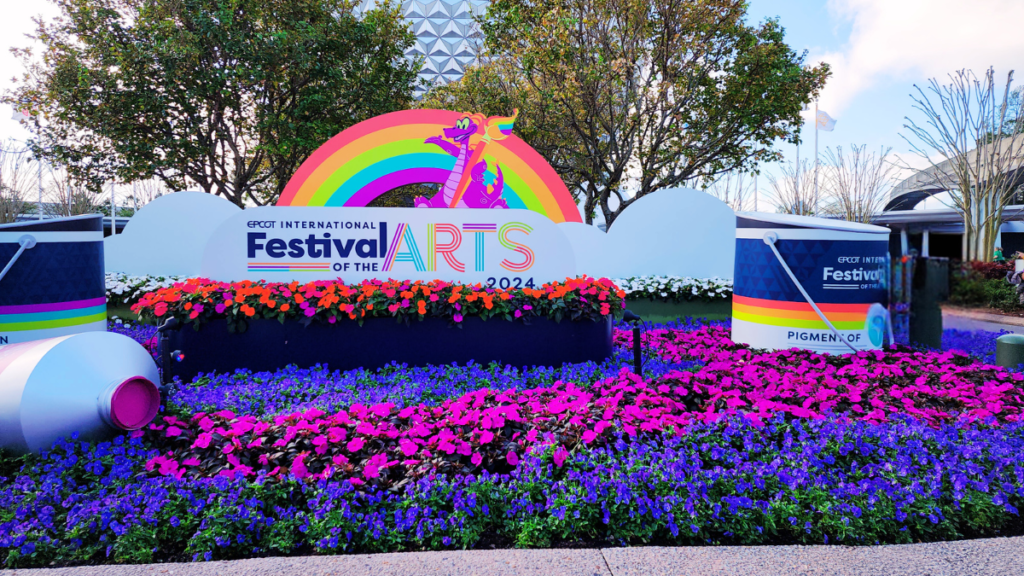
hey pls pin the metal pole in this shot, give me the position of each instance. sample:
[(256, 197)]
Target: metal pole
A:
[(924, 244), (796, 183), (755, 192), (637, 357), (40, 204), (815, 157), (113, 211)]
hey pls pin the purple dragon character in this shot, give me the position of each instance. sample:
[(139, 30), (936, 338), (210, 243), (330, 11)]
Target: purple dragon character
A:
[(477, 194)]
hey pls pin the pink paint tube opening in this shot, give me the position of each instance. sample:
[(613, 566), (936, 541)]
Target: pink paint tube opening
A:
[(134, 403)]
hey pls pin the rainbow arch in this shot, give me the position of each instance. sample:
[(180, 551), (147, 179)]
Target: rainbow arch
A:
[(388, 151)]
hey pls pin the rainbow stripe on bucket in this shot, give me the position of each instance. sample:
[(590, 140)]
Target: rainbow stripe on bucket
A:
[(57, 315), (798, 314), (289, 267)]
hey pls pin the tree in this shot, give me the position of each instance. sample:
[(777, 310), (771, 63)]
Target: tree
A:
[(626, 97), (972, 142), (226, 95), (856, 185), (735, 189), (18, 177), (793, 192), (67, 197)]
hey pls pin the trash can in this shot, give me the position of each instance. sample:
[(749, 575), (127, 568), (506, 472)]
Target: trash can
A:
[(929, 289)]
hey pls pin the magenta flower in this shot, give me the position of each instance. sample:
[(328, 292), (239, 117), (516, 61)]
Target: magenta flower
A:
[(560, 455), (203, 440), (298, 467), (408, 447), (371, 471)]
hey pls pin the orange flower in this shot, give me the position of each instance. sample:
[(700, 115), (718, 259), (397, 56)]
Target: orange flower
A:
[(285, 307)]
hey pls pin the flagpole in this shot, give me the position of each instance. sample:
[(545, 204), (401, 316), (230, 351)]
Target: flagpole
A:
[(39, 206), (113, 210), (815, 157)]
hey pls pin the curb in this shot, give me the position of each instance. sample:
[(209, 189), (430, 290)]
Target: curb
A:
[(984, 557)]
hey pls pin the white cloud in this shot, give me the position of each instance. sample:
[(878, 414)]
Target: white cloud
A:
[(920, 39)]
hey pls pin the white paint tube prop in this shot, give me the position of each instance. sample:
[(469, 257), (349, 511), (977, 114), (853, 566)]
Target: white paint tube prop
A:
[(95, 383)]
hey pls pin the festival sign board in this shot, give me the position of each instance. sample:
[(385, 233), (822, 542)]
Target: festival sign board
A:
[(505, 201), (476, 162), (503, 248)]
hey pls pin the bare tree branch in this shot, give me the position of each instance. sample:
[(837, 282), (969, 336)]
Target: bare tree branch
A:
[(856, 184), (972, 139)]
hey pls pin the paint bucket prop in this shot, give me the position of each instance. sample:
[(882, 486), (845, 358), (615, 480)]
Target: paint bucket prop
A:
[(95, 383), (51, 278), (811, 283)]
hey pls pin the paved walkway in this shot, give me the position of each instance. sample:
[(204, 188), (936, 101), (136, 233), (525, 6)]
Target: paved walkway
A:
[(995, 557), (961, 319)]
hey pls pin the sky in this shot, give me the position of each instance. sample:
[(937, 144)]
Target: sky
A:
[(878, 50)]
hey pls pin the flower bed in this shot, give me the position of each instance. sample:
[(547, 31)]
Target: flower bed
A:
[(282, 324), (676, 288), (123, 290), (801, 481), (490, 430), (870, 385), (197, 301), (662, 299), (715, 444)]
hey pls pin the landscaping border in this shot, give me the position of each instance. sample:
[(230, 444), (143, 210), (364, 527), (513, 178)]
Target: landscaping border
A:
[(268, 344), (662, 311)]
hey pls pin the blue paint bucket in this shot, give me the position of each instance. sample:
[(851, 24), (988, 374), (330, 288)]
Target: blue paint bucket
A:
[(54, 282), (811, 283)]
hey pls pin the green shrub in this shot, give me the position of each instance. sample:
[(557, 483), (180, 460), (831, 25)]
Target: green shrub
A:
[(973, 285)]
